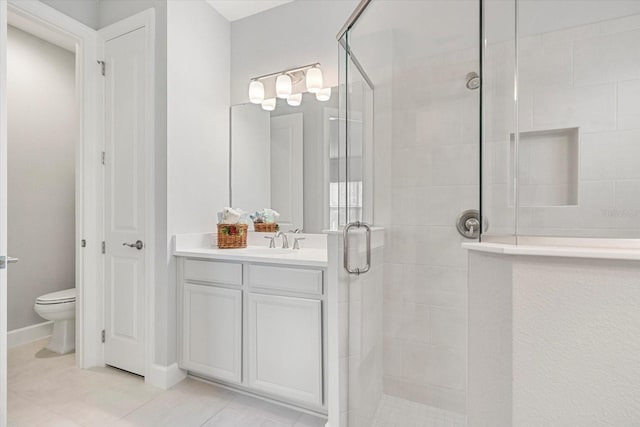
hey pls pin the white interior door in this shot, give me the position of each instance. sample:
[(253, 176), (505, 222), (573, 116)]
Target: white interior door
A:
[(126, 161), (287, 170), (3, 212)]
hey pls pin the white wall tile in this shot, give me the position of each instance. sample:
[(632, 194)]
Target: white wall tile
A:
[(607, 58), (610, 155), (449, 327), (629, 104), (591, 108)]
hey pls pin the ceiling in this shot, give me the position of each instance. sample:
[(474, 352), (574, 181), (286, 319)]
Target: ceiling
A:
[(238, 9)]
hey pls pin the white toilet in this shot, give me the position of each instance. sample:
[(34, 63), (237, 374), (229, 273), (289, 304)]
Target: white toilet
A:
[(61, 308)]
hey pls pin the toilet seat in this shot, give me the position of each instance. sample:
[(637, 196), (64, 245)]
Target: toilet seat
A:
[(59, 297)]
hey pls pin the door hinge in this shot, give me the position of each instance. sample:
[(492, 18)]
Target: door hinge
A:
[(102, 66), (104, 336), (104, 247), (83, 243), (103, 158)]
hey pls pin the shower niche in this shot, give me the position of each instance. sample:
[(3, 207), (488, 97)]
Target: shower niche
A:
[(547, 168)]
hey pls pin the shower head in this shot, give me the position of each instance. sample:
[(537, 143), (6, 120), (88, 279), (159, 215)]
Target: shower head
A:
[(473, 80)]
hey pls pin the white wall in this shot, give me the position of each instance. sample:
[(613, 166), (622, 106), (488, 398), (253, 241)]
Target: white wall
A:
[(198, 43), (553, 341), (294, 34), (85, 11), (41, 176)]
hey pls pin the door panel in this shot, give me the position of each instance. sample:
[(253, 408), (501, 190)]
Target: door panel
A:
[(125, 168), (285, 347), (212, 331), (287, 169), (3, 212)]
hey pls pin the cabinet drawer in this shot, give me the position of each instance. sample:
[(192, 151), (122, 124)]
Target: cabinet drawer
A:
[(212, 271), (286, 279)]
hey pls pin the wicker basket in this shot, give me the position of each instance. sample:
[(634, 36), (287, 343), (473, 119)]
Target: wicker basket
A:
[(265, 227), (232, 236)]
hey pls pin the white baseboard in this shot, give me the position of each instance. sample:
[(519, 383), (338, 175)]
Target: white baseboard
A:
[(29, 334), (165, 377)]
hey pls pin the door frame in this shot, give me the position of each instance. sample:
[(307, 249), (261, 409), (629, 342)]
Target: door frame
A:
[(3, 211), (146, 20), (52, 25)]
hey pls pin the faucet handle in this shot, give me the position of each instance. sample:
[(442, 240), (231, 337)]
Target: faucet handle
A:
[(296, 242), (272, 243)]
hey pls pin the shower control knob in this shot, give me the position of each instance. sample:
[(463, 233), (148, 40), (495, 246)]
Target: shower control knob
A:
[(468, 224), (138, 245), (472, 224)]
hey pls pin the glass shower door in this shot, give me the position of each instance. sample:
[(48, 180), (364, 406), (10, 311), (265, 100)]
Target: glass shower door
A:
[(362, 248)]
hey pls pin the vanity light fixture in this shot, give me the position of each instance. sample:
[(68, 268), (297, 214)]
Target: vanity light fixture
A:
[(269, 104), (283, 86), (314, 80), (324, 94), (284, 82), (295, 99), (256, 92)]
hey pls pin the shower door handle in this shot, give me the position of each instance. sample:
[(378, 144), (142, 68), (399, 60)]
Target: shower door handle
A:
[(345, 238)]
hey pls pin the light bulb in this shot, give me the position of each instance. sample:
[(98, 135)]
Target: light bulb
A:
[(324, 94), (269, 104), (256, 92), (283, 86), (295, 99), (314, 80)]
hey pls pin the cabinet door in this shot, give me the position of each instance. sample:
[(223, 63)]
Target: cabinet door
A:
[(285, 347), (212, 331)]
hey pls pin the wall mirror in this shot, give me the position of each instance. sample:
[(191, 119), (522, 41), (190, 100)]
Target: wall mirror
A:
[(283, 160)]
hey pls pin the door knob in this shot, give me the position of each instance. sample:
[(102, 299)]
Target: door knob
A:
[(138, 245)]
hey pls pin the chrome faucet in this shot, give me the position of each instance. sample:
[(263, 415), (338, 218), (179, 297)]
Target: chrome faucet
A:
[(285, 241)]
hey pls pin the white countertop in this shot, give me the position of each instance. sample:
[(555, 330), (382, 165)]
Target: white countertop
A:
[(313, 252), (554, 251)]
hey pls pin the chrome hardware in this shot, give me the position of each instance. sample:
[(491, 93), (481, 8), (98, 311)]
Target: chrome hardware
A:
[(4, 260), (357, 271), (296, 231), (272, 243), (296, 242), (468, 224), (285, 241), (138, 245)]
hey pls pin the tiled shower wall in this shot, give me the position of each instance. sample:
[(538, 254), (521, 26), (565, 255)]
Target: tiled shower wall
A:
[(585, 77), (435, 156)]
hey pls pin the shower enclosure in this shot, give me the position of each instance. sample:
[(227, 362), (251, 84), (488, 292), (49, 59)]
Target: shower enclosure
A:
[(409, 107), (525, 110)]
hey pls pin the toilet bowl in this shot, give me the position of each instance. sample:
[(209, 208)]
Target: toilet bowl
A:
[(60, 307)]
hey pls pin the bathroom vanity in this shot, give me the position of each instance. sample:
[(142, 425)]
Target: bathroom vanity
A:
[(254, 318)]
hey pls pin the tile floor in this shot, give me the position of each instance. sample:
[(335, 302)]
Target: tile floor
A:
[(46, 389), (395, 412)]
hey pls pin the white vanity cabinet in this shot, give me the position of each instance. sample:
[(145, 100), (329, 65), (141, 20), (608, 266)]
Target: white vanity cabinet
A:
[(211, 327), (212, 331), (255, 326), (285, 333)]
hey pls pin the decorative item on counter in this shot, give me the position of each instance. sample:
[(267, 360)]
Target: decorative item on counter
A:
[(265, 221), (232, 234)]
